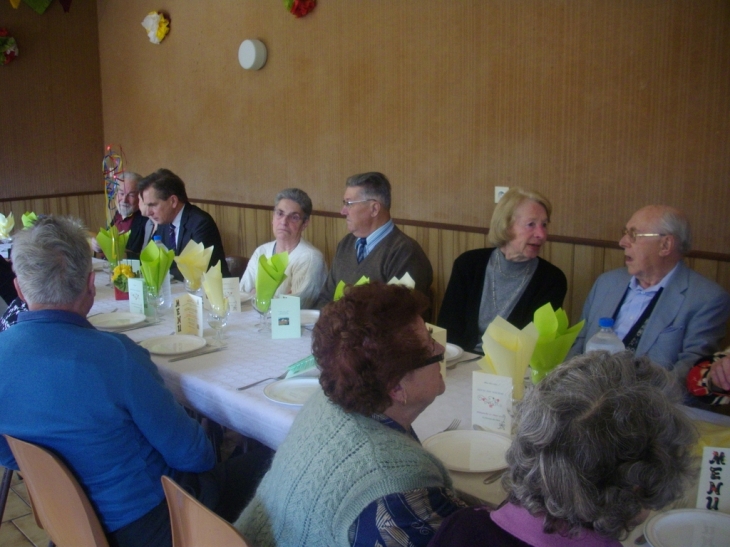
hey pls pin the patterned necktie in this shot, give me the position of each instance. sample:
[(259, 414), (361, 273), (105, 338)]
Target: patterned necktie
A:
[(361, 244), (171, 235)]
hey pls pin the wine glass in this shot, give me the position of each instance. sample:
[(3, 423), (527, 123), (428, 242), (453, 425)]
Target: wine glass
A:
[(194, 287), (262, 306), (218, 318), (155, 299), (107, 268)]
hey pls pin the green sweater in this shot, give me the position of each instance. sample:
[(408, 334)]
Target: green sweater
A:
[(330, 467)]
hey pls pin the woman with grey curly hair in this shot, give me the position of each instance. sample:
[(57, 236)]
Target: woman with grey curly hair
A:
[(600, 442)]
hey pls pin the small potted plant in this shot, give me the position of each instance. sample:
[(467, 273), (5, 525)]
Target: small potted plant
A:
[(120, 275)]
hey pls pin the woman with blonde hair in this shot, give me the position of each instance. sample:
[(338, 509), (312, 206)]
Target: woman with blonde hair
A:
[(509, 280)]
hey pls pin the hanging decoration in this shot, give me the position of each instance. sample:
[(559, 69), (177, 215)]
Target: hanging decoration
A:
[(300, 8), (157, 25), (8, 47), (112, 166), (39, 6)]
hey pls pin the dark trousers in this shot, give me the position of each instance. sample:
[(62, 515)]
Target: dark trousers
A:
[(226, 489)]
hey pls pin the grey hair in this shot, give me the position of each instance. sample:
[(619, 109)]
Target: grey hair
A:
[(130, 176), (52, 261), (599, 440), (298, 196), (674, 222), (374, 185)]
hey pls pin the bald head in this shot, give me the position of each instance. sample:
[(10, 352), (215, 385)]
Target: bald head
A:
[(656, 238)]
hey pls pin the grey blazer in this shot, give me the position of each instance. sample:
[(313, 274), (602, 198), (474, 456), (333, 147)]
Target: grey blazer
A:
[(687, 323)]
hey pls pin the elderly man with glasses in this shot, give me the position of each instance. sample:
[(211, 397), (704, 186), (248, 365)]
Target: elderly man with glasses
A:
[(375, 247), (306, 272), (660, 307)]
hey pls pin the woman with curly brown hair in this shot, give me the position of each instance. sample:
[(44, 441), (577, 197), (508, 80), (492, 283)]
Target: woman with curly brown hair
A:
[(352, 471), (601, 441)]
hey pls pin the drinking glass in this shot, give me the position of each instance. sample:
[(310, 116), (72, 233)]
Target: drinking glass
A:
[(263, 307), (155, 299), (218, 318), (197, 291)]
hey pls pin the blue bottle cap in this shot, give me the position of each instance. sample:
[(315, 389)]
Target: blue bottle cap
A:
[(605, 322)]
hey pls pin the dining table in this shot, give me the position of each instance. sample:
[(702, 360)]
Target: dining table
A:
[(209, 384)]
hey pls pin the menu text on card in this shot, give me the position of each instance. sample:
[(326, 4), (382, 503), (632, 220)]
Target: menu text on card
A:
[(491, 405), (712, 493)]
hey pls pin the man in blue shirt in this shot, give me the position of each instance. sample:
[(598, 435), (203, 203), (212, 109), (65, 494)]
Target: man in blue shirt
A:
[(94, 398)]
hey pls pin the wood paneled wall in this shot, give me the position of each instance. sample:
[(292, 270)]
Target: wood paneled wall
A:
[(603, 105), (245, 228), (50, 102)]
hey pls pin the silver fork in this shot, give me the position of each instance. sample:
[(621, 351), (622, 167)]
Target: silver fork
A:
[(260, 382), (453, 425)]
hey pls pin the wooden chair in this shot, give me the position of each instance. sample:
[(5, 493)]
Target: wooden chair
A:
[(237, 265), (5, 490), (193, 524), (60, 505)]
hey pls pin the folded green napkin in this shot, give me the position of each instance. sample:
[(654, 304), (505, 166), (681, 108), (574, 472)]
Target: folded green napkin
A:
[(340, 289), (554, 342), (269, 277), (155, 263), (29, 219), (6, 225), (112, 243)]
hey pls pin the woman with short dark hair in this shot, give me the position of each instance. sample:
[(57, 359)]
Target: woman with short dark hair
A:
[(600, 442), (352, 471)]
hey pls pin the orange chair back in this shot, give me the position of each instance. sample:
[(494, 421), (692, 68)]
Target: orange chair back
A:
[(193, 524), (60, 506)]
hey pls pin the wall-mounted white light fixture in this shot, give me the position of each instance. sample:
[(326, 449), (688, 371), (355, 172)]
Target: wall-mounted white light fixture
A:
[(252, 54)]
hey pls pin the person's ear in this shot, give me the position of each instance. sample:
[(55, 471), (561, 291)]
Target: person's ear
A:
[(17, 289)]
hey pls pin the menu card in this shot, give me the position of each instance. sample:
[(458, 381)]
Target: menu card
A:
[(232, 291), (136, 288), (189, 314), (491, 405), (714, 471), (285, 317)]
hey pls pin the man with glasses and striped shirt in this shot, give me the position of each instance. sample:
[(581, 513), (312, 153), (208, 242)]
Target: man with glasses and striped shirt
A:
[(375, 247)]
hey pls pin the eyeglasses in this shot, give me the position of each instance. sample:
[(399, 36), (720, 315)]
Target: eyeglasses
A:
[(632, 234), (293, 217), (347, 203), (434, 358)]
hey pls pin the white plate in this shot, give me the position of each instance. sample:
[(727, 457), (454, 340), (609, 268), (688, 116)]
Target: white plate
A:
[(309, 318), (294, 391), (117, 320), (245, 297), (173, 345), (453, 352), (686, 527), (468, 450)]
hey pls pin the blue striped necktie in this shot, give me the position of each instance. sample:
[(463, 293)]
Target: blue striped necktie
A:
[(361, 244), (171, 235)]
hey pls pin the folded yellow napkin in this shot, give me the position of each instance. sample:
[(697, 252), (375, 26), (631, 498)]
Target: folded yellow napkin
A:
[(154, 263), (340, 289), (507, 352), (6, 225), (711, 435), (112, 243), (193, 261), (554, 342), (213, 287), (406, 281), (29, 219), (269, 276)]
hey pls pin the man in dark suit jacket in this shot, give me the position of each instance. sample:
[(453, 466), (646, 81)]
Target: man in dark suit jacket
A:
[(179, 221)]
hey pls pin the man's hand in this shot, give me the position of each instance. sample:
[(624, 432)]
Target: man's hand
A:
[(720, 373)]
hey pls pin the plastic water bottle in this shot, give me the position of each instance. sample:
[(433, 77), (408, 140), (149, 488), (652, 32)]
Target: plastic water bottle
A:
[(167, 304), (605, 339)]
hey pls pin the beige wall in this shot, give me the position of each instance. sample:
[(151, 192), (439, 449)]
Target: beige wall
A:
[(604, 105), (51, 133)]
